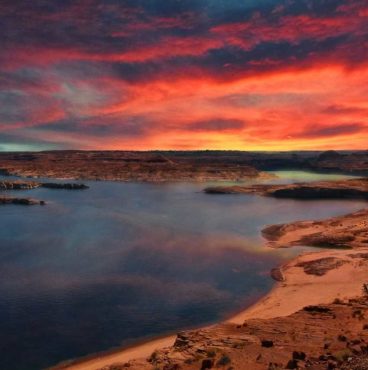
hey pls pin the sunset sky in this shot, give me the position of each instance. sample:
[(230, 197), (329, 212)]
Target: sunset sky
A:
[(190, 74)]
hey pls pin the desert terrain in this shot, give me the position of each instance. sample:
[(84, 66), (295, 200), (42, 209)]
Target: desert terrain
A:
[(158, 166)]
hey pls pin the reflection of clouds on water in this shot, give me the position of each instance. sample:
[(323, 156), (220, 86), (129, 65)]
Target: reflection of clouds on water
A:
[(132, 286), (122, 261), (155, 257)]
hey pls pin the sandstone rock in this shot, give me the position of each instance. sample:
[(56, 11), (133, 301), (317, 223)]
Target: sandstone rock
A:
[(321, 266), (21, 201), (343, 189), (277, 274), (317, 309)]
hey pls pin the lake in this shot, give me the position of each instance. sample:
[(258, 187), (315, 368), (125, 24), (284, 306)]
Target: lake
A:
[(121, 262)]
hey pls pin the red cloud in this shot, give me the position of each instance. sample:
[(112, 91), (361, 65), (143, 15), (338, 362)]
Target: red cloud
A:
[(275, 81)]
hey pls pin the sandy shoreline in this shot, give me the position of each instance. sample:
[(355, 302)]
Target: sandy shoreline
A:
[(286, 298), (98, 361), (312, 278), (301, 289)]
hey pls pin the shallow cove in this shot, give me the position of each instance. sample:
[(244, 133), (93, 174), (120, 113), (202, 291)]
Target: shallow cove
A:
[(119, 262)]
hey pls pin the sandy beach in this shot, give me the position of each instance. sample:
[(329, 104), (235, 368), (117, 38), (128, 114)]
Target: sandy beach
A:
[(143, 350), (300, 289), (313, 278)]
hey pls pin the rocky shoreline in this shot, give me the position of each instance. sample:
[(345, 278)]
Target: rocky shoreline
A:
[(343, 189), (21, 201), (28, 185), (348, 231)]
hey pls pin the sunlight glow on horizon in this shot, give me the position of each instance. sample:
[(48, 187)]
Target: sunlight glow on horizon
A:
[(276, 75)]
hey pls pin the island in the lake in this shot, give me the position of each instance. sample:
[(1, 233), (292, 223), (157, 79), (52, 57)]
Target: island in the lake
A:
[(21, 201), (342, 189), (28, 185), (6, 186)]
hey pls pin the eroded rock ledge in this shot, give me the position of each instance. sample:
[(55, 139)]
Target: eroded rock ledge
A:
[(344, 189), (21, 201), (348, 231), (67, 186), (27, 185)]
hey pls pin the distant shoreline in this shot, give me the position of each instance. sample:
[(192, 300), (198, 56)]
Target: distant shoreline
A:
[(173, 166)]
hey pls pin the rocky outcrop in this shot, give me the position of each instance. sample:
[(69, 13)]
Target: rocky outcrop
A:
[(21, 201), (348, 231), (18, 185), (28, 185), (321, 266), (343, 189), (67, 186), (277, 274), (320, 192)]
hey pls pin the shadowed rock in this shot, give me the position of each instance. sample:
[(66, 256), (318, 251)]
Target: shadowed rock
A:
[(321, 266), (343, 189), (67, 186), (28, 185), (348, 231), (21, 201), (276, 274)]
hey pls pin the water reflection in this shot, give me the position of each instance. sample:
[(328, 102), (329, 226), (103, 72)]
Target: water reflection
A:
[(94, 269)]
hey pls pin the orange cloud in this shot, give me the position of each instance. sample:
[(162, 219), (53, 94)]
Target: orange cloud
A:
[(276, 77)]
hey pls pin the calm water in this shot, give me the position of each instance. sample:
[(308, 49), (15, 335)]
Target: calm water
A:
[(119, 262)]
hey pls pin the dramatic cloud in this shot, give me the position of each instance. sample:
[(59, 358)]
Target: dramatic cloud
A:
[(151, 74), (217, 124), (334, 130)]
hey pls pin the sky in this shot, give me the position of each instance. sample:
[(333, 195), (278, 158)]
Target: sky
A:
[(183, 74)]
